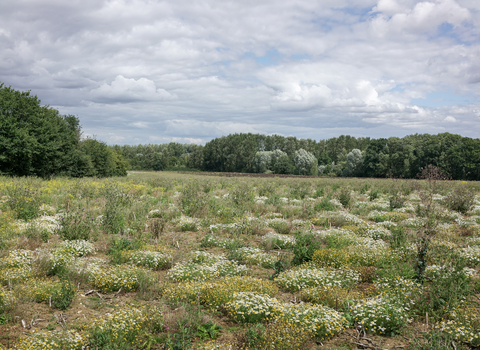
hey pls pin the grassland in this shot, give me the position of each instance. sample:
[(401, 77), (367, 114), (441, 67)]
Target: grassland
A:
[(178, 261)]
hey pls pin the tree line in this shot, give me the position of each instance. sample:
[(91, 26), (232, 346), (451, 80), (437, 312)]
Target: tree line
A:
[(37, 140), (338, 156)]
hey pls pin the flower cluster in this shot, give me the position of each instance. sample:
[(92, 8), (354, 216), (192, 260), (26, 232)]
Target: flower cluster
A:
[(125, 324), (471, 255), (114, 278), (186, 223), (78, 247), (380, 315), (255, 256), (400, 289), (53, 340), (146, 258), (248, 307), (40, 290), (319, 320), (276, 240), (204, 266), (463, 324), (310, 276)]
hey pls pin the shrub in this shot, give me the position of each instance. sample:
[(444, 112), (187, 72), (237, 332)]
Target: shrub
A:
[(218, 293), (24, 200), (331, 257), (79, 248), (461, 199), (255, 256), (75, 225), (305, 245), (274, 240), (345, 196), (63, 295)]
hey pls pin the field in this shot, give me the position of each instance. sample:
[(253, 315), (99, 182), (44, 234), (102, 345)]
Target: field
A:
[(185, 261)]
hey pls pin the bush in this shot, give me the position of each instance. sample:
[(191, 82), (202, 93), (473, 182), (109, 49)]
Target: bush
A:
[(461, 199), (63, 296), (305, 245), (345, 196), (24, 200), (75, 225)]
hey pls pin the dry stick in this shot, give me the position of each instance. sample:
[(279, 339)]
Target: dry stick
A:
[(426, 314)]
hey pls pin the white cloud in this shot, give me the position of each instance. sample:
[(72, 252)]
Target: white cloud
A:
[(123, 90), (450, 119)]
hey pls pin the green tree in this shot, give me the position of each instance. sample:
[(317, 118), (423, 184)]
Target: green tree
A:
[(37, 140)]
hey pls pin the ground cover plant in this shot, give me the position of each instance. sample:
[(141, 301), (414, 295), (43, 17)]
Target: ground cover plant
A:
[(184, 261)]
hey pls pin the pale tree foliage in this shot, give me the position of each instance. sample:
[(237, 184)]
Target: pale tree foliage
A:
[(354, 162), (264, 161), (321, 169), (305, 162)]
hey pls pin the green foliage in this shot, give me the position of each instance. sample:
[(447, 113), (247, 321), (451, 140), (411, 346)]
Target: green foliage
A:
[(345, 196), (283, 165), (75, 224), (461, 199), (324, 205), (63, 295), (208, 330), (37, 140), (306, 244), (116, 199), (435, 340), (25, 200)]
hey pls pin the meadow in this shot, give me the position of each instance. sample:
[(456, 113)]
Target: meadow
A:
[(160, 260)]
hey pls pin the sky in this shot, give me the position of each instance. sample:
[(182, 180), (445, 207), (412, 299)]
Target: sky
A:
[(148, 71)]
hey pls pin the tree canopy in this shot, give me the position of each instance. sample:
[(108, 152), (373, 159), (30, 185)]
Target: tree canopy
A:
[(37, 140)]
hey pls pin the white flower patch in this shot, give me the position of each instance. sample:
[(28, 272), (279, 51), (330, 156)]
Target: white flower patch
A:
[(414, 222), (471, 255), (387, 224), (205, 266), (256, 256), (336, 203), (309, 276), (320, 320), (79, 247), (150, 259), (465, 222), (378, 232), (282, 241), (380, 315), (407, 208), (252, 307), (445, 271)]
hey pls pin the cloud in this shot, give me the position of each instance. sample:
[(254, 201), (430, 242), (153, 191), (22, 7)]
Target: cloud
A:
[(123, 90), (139, 71)]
